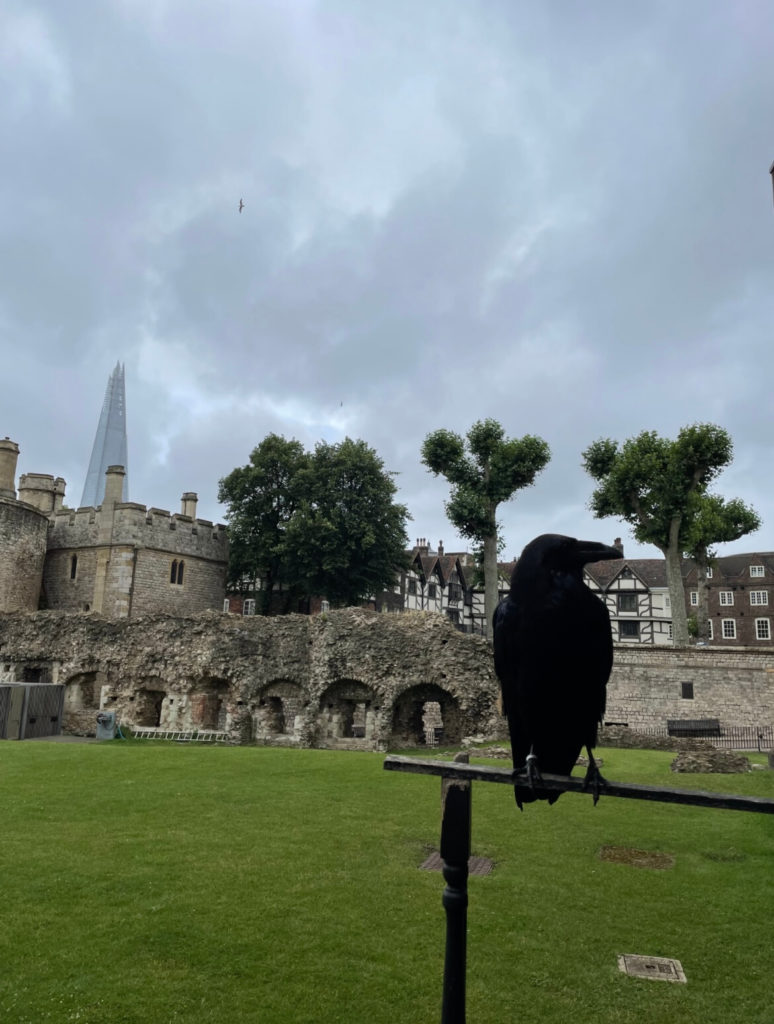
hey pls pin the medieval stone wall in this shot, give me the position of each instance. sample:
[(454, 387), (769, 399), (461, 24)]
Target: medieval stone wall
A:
[(733, 685), (352, 678), (22, 552)]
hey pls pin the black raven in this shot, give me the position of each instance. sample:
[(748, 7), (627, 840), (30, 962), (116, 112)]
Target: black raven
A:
[(553, 653)]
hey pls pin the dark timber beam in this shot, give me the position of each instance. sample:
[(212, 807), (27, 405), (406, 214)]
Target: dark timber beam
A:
[(568, 784)]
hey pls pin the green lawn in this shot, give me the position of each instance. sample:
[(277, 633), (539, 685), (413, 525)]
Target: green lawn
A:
[(161, 882)]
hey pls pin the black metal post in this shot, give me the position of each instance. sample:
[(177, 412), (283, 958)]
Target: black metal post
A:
[(455, 852)]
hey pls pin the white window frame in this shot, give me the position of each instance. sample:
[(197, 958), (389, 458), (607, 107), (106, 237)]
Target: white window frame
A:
[(694, 598), (710, 636), (226, 605), (325, 606), (248, 606), (726, 598), (757, 571), (709, 572), (759, 597), (728, 629), (759, 624)]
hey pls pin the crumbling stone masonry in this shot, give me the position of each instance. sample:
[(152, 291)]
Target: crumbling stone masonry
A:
[(353, 679), (348, 679)]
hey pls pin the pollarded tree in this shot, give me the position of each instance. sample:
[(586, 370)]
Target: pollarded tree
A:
[(713, 521), (347, 540), (262, 499), (490, 472), (654, 484)]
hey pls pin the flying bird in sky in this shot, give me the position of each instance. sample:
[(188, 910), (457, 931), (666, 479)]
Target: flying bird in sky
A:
[(241, 206), (553, 652)]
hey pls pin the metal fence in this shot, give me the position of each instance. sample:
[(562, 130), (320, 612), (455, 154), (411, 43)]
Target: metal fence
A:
[(731, 737)]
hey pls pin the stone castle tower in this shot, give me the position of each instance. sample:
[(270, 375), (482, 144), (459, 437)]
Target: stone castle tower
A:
[(23, 534)]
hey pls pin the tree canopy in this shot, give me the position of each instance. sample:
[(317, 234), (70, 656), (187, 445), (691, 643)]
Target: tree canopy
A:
[(323, 523), (485, 472), (659, 487)]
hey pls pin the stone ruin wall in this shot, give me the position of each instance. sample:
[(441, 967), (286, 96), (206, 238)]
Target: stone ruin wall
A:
[(351, 679)]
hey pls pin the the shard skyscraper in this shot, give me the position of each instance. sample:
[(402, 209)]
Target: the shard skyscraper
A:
[(110, 441)]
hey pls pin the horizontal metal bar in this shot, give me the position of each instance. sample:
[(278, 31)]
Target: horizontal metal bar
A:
[(566, 783)]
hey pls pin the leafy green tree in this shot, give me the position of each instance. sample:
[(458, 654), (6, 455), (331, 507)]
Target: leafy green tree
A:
[(488, 473), (713, 520), (306, 524), (348, 538), (655, 484), (262, 499)]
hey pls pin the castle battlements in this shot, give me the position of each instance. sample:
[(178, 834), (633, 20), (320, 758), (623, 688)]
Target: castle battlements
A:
[(134, 525)]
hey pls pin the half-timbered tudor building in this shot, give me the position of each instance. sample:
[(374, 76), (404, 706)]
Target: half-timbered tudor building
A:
[(636, 595)]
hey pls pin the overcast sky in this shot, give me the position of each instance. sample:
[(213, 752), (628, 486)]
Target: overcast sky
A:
[(558, 215)]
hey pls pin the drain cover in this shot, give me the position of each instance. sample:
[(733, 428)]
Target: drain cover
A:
[(661, 968), (476, 865)]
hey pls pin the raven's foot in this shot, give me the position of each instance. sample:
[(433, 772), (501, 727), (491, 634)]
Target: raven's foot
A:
[(594, 779), (529, 774)]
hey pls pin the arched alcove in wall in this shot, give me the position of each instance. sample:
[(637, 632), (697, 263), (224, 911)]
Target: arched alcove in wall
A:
[(347, 711), (423, 708)]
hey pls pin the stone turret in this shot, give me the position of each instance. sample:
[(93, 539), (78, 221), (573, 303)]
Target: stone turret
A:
[(9, 454), (42, 491), (23, 530)]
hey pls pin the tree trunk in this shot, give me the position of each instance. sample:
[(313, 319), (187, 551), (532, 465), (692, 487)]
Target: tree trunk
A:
[(674, 575), (490, 579)]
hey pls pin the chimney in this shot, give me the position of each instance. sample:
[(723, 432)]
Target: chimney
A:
[(59, 493), (9, 454), (188, 506), (618, 545), (114, 485), (440, 547)]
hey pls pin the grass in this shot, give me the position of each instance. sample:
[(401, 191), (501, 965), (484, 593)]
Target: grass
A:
[(170, 883)]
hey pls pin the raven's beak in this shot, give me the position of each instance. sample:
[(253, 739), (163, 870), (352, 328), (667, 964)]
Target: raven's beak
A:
[(591, 551)]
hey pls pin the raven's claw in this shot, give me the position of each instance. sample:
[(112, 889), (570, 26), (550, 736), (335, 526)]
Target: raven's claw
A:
[(532, 774), (593, 779)]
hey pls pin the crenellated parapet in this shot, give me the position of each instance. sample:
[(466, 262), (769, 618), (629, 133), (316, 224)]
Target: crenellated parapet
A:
[(129, 523)]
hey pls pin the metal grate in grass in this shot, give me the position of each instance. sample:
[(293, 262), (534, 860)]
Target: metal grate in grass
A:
[(476, 865), (660, 968)]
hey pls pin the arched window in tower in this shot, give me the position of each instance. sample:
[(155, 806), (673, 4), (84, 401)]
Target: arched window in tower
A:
[(73, 566), (176, 572), (180, 565), (173, 572)]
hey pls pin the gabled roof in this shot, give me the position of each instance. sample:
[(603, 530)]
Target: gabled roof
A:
[(650, 571), (736, 568)]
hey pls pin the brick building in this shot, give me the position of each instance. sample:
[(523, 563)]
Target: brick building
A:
[(740, 591)]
